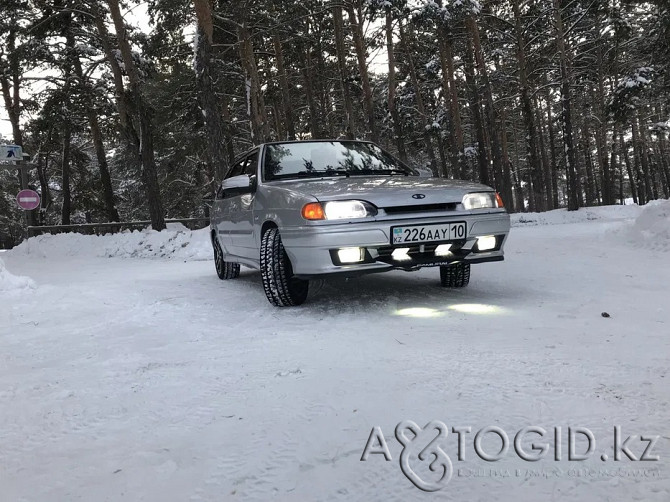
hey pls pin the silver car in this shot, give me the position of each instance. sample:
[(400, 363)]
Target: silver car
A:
[(308, 209)]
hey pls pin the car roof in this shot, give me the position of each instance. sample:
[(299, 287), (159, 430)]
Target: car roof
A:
[(333, 140)]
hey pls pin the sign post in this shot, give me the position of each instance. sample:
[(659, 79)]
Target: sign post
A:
[(12, 157)]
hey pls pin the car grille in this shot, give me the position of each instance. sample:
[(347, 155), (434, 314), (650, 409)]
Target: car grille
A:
[(423, 254), (421, 208)]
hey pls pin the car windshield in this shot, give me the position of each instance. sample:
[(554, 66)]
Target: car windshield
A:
[(329, 158)]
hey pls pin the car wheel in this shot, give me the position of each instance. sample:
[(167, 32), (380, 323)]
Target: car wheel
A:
[(455, 276), (281, 287), (224, 269)]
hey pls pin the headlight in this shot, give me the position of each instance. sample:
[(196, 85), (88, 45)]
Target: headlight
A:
[(482, 200), (347, 209), (338, 210)]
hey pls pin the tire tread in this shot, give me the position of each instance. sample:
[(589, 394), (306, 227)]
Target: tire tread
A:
[(276, 272), (455, 276)]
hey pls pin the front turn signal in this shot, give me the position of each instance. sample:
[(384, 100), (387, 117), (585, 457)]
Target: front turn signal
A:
[(313, 211), (499, 200)]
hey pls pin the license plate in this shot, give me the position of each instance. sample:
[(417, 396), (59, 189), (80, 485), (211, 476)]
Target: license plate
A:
[(435, 232)]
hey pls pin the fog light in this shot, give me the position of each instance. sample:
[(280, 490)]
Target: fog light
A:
[(442, 250), (401, 254), (486, 243), (350, 255)]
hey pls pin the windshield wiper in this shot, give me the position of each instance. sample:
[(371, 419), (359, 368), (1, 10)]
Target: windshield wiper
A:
[(390, 172), (319, 174)]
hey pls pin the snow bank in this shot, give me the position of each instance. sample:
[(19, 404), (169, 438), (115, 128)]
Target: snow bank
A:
[(10, 283), (179, 243), (563, 216), (651, 229), (176, 242)]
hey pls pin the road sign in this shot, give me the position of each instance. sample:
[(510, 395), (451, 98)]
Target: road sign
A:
[(11, 152), (28, 200)]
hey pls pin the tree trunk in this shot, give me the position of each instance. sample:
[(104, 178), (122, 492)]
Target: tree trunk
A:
[(323, 91), (149, 174), (419, 101), (447, 85), (256, 103), (552, 152), (105, 177), (350, 127), (12, 99), (66, 207), (644, 190), (128, 129), (519, 204), (359, 45), (307, 77), (641, 164), (546, 166), (508, 196), (45, 192), (527, 112), (650, 184), (66, 135), (205, 82), (629, 170), (454, 108), (566, 95), (591, 190), (490, 111), (283, 83), (98, 143), (614, 168), (12, 96), (663, 155), (475, 110), (395, 116), (601, 125), (443, 156), (227, 119)]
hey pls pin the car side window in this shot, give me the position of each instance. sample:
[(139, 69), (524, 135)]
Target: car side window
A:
[(237, 169), (251, 166)]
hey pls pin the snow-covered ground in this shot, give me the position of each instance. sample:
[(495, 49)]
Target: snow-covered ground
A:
[(128, 371)]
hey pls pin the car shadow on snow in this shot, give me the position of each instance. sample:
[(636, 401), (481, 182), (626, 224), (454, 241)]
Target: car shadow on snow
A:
[(402, 289)]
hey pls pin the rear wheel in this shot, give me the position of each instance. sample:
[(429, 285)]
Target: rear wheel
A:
[(456, 275), (224, 269), (281, 287)]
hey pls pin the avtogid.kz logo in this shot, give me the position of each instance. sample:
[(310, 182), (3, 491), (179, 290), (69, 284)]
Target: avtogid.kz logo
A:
[(424, 445), (424, 461)]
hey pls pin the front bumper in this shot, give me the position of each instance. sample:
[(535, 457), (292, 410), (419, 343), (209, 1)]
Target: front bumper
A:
[(312, 248)]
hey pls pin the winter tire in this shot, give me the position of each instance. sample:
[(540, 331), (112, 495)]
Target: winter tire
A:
[(281, 287), (455, 276), (224, 269)]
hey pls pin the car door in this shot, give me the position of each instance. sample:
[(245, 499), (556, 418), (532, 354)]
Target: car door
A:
[(223, 211), (242, 230)]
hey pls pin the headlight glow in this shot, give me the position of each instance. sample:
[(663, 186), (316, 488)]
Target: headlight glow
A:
[(486, 243), (476, 308), (401, 254), (443, 250), (419, 312), (347, 209), (351, 255), (480, 200)]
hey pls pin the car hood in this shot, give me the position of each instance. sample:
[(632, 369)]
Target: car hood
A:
[(388, 190)]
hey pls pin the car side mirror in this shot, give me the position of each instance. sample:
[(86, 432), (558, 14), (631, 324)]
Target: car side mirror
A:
[(424, 172)]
